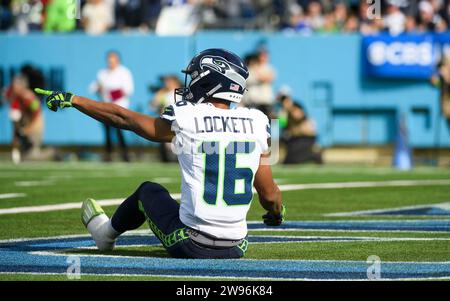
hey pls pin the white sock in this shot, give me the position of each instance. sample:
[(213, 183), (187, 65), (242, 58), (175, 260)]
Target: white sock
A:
[(102, 232)]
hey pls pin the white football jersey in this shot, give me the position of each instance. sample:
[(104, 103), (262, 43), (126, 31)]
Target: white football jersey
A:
[(219, 152)]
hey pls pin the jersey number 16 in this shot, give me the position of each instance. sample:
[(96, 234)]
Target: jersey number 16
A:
[(236, 181)]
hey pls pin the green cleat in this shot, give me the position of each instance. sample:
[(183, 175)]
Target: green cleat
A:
[(89, 210)]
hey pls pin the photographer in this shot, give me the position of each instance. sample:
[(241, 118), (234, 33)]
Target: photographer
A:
[(299, 134), (26, 116), (164, 95)]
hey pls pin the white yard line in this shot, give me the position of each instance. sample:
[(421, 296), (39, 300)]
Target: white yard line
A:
[(444, 206), (164, 180), (33, 183), (12, 195), (219, 277), (286, 187), (365, 184), (64, 206)]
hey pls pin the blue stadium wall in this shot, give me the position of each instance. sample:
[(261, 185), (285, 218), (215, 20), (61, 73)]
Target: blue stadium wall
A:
[(324, 73)]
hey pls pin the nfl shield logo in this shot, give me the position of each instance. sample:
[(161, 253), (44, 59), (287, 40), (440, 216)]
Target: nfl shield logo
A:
[(234, 87)]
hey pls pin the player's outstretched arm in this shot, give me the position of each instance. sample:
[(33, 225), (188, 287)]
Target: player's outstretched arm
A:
[(148, 127), (269, 196)]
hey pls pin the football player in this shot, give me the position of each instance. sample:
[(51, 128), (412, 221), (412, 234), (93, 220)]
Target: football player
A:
[(221, 153)]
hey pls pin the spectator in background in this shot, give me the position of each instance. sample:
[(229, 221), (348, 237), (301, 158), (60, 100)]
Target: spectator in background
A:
[(352, 24), (410, 24), (163, 97), (297, 22), (442, 81), (365, 26), (228, 14), (212, 14), (34, 76), (394, 20), (429, 20), (129, 13), (27, 15), (184, 17), (299, 134), (446, 12), (315, 16), (442, 14), (150, 13), (5, 14), (368, 25), (96, 17), (114, 84), (26, 116), (340, 13), (111, 4), (164, 94), (60, 16), (179, 17), (329, 26), (259, 82)]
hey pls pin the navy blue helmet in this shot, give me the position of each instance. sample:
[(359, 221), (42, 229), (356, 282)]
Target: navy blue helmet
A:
[(214, 73)]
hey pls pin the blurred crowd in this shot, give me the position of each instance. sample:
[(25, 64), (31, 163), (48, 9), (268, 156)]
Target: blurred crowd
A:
[(186, 16), (114, 83)]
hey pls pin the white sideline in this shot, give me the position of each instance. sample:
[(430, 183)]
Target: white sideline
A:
[(365, 184), (221, 277), (65, 206), (285, 187), (12, 195), (444, 206), (32, 183)]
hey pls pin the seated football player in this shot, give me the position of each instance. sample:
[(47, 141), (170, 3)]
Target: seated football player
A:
[(221, 153)]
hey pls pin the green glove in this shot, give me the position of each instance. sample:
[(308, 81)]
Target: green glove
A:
[(275, 220), (56, 99)]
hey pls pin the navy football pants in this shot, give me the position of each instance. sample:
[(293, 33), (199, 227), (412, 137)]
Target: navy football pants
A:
[(152, 202)]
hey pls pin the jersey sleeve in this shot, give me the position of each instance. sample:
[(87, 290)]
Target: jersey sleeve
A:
[(179, 115), (264, 131), (168, 114)]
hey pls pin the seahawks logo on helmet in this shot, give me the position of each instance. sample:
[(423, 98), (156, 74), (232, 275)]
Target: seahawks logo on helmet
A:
[(215, 62)]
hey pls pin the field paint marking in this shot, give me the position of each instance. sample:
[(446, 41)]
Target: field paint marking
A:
[(61, 253), (56, 207), (157, 275), (163, 180), (146, 233), (340, 230), (33, 183), (342, 239), (64, 206), (445, 206), (345, 239), (12, 195), (365, 184), (221, 277), (286, 187)]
